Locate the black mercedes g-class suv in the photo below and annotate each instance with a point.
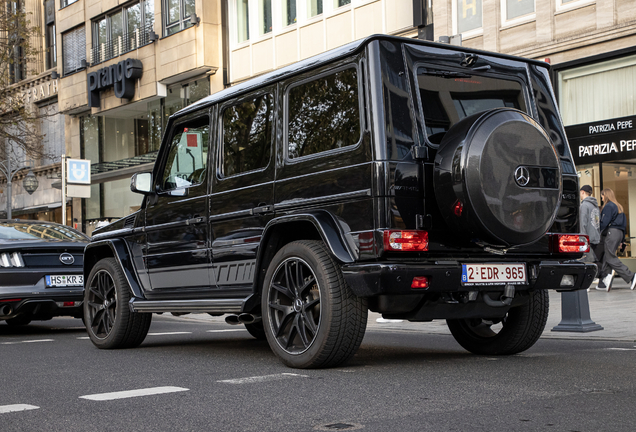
(418, 180)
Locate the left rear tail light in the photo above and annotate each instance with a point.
(568, 243)
(406, 241)
(11, 259)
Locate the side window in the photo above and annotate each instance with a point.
(247, 135)
(188, 155)
(323, 114)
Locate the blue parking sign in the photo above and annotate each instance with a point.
(78, 171)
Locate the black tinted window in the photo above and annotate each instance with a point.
(247, 135)
(323, 114)
(188, 155)
(447, 97)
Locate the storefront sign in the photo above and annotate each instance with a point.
(602, 141)
(37, 93)
(121, 76)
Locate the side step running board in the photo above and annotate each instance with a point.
(210, 305)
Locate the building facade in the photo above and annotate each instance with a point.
(33, 85)
(125, 67)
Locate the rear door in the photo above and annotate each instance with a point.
(241, 202)
(176, 217)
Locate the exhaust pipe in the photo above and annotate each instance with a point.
(232, 319)
(246, 318)
(6, 310)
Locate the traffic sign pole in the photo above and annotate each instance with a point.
(64, 189)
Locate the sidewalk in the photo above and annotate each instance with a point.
(615, 311)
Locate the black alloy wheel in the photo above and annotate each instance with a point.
(109, 321)
(294, 304)
(310, 316)
(517, 331)
(102, 302)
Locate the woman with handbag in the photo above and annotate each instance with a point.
(613, 226)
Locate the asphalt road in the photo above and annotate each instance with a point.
(193, 375)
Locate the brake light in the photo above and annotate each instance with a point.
(567, 243)
(420, 282)
(406, 241)
(10, 300)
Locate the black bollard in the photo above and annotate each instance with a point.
(575, 313)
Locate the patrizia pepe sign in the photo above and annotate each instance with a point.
(603, 141)
(121, 76)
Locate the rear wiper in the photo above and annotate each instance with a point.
(446, 74)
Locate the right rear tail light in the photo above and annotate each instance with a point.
(406, 241)
(11, 259)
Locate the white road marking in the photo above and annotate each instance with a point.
(227, 330)
(168, 333)
(263, 378)
(18, 407)
(83, 337)
(133, 393)
(27, 341)
(622, 349)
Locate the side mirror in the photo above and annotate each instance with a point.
(141, 183)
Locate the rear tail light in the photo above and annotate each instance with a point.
(406, 241)
(567, 243)
(11, 259)
(68, 303)
(420, 282)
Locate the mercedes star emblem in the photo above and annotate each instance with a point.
(522, 176)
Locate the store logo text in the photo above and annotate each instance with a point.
(121, 76)
(607, 148)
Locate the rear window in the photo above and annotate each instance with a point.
(27, 231)
(447, 97)
(323, 114)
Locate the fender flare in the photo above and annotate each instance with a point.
(120, 252)
(333, 232)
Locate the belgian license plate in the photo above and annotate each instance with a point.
(64, 280)
(493, 274)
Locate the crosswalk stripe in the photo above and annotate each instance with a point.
(18, 407)
(133, 393)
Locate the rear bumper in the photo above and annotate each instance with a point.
(367, 280)
(39, 300)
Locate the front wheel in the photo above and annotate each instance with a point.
(109, 321)
(311, 317)
(517, 331)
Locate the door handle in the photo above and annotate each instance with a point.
(262, 209)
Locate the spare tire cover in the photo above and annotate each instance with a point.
(504, 170)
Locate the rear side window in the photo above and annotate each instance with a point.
(447, 97)
(323, 114)
(188, 155)
(247, 135)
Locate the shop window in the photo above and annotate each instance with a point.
(598, 91)
(327, 103)
(124, 30)
(242, 21)
(468, 15)
(247, 135)
(177, 15)
(74, 50)
(17, 63)
(314, 8)
(187, 156)
(512, 10)
(265, 16)
(289, 12)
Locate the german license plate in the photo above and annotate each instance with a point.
(494, 274)
(64, 280)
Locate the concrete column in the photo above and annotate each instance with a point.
(545, 20)
(491, 17)
(605, 13)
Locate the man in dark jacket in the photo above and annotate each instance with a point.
(590, 218)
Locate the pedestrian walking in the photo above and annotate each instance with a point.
(613, 226)
(590, 219)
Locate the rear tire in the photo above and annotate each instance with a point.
(520, 328)
(109, 321)
(311, 317)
